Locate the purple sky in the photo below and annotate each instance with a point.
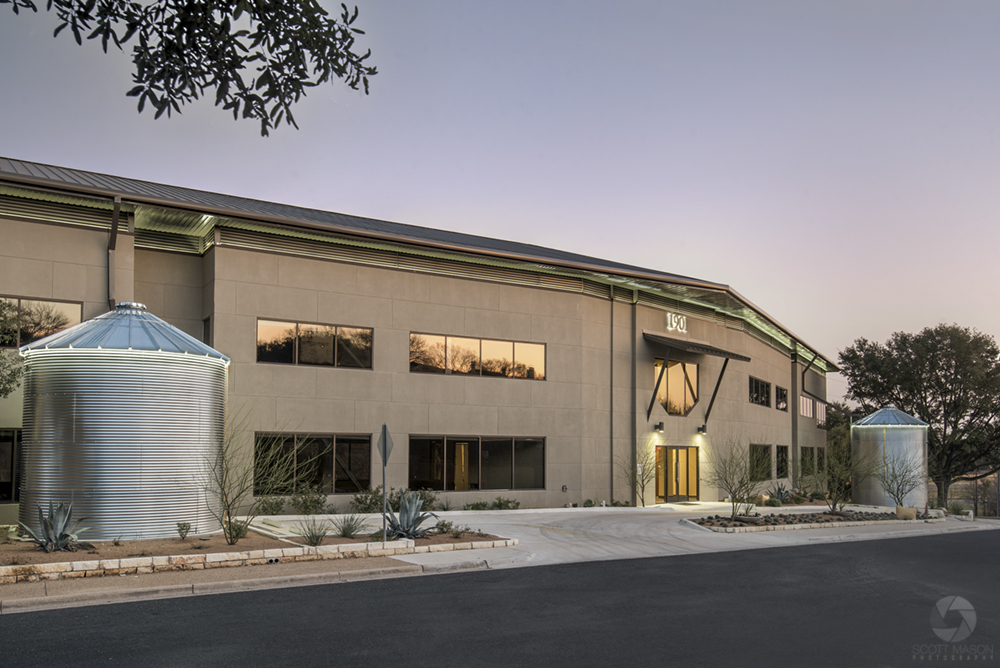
(837, 163)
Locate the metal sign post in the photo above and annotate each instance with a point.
(384, 449)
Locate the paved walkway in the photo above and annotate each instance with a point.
(548, 536)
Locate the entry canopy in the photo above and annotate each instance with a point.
(129, 327)
(890, 416)
(691, 346)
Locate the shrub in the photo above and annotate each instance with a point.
(56, 532)
(956, 507)
(458, 531)
(234, 530)
(796, 498)
(367, 501)
(589, 503)
(183, 528)
(313, 531)
(308, 500)
(444, 526)
(505, 504)
(270, 505)
(428, 496)
(817, 495)
(349, 526)
(779, 492)
(407, 524)
(477, 505)
(773, 502)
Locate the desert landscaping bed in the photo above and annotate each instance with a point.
(793, 521)
(23, 562)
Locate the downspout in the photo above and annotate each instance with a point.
(794, 410)
(635, 454)
(112, 244)
(611, 405)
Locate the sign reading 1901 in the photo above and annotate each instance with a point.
(677, 323)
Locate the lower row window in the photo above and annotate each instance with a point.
(286, 463)
(474, 463)
(10, 468)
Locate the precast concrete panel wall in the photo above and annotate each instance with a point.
(127, 437)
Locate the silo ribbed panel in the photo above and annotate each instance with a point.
(127, 436)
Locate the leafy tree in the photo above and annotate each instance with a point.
(259, 58)
(949, 377)
(11, 368)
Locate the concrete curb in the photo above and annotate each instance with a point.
(694, 525)
(192, 562)
(13, 606)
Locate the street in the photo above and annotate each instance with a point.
(841, 604)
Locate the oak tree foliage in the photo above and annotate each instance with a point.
(949, 377)
(260, 58)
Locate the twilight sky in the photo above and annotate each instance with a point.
(837, 163)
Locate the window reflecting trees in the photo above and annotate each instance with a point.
(311, 344)
(463, 356)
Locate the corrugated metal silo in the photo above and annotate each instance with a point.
(888, 433)
(123, 416)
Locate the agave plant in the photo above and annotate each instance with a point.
(780, 493)
(407, 525)
(57, 532)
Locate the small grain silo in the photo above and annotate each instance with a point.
(124, 416)
(890, 437)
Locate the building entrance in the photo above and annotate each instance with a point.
(676, 474)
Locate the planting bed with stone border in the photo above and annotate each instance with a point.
(141, 565)
(750, 528)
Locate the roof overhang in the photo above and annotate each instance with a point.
(691, 346)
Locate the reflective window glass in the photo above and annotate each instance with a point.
(462, 456)
(354, 347)
(352, 464)
(760, 461)
(808, 460)
(497, 456)
(312, 463)
(820, 460)
(8, 323)
(427, 353)
(8, 464)
(781, 461)
(463, 356)
(781, 398)
(529, 463)
(316, 343)
(275, 341)
(497, 358)
(427, 463)
(274, 464)
(529, 361)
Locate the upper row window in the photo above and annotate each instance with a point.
(476, 357)
(760, 392)
(677, 391)
(324, 345)
(23, 321)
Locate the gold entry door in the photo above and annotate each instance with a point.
(676, 474)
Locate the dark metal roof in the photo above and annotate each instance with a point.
(699, 347)
(890, 416)
(137, 195)
(136, 191)
(129, 327)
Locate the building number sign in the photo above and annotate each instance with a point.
(677, 323)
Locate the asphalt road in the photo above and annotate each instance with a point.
(849, 604)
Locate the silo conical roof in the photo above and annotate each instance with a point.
(890, 416)
(129, 327)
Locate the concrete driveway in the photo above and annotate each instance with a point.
(566, 535)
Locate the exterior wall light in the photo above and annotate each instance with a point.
(658, 427)
(703, 429)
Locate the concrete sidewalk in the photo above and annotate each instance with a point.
(546, 537)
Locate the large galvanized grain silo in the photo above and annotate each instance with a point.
(890, 436)
(124, 416)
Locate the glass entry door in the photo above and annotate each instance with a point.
(676, 474)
